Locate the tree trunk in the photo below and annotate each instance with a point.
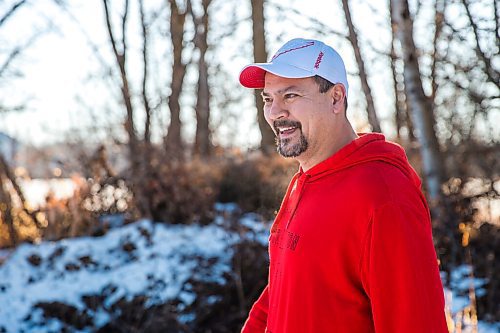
(138, 167)
(370, 106)
(421, 106)
(202, 144)
(267, 144)
(145, 99)
(173, 140)
(439, 8)
(398, 111)
(120, 57)
(401, 106)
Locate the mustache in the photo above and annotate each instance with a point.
(285, 123)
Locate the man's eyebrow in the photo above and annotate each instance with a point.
(284, 90)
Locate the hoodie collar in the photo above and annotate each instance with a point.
(366, 148)
(339, 157)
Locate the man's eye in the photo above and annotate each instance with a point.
(289, 96)
(267, 100)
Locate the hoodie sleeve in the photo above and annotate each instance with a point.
(257, 318)
(400, 272)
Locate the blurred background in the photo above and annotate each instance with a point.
(138, 179)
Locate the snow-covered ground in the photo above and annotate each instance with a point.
(132, 259)
(141, 258)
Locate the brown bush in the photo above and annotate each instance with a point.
(185, 192)
(179, 192)
(256, 183)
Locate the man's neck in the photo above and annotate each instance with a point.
(337, 142)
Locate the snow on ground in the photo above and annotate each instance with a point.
(144, 258)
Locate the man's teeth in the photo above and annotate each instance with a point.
(286, 129)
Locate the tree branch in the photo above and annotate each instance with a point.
(11, 11)
(145, 100)
(110, 30)
(491, 73)
(124, 28)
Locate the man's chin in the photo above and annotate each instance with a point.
(290, 152)
(292, 148)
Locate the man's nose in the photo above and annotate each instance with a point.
(277, 110)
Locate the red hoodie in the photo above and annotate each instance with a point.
(351, 249)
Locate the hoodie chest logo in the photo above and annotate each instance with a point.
(285, 239)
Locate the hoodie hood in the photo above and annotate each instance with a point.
(367, 147)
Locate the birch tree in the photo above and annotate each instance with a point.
(421, 105)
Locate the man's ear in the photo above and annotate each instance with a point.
(337, 94)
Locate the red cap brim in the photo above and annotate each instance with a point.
(252, 77)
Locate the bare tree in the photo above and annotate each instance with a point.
(492, 75)
(145, 76)
(401, 107)
(13, 52)
(465, 84)
(138, 157)
(121, 59)
(173, 140)
(202, 144)
(353, 38)
(439, 7)
(421, 106)
(260, 55)
(11, 11)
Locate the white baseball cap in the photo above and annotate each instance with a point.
(298, 58)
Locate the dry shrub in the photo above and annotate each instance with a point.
(18, 221)
(25, 228)
(79, 215)
(186, 191)
(170, 191)
(256, 183)
(180, 192)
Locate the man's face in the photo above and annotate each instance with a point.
(298, 114)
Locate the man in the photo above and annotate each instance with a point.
(351, 247)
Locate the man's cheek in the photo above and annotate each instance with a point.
(270, 123)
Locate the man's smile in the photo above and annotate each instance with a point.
(284, 129)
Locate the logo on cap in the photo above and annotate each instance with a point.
(292, 49)
(318, 61)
